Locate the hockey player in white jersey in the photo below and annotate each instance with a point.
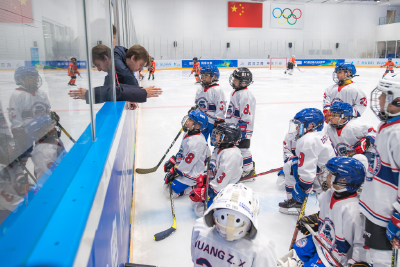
(225, 166)
(210, 98)
(242, 111)
(289, 153)
(379, 200)
(348, 136)
(344, 90)
(338, 224)
(228, 233)
(6, 140)
(313, 150)
(184, 168)
(26, 103)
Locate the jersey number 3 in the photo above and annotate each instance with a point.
(203, 262)
(219, 179)
(189, 158)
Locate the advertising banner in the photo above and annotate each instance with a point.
(6, 64)
(54, 64)
(318, 62)
(168, 64)
(377, 62)
(253, 62)
(220, 63)
(287, 16)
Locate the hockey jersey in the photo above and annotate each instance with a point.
(380, 190)
(289, 148)
(73, 69)
(4, 129)
(349, 93)
(9, 197)
(196, 68)
(225, 168)
(211, 101)
(389, 65)
(242, 106)
(344, 139)
(209, 248)
(47, 156)
(340, 228)
(314, 149)
(24, 106)
(152, 67)
(191, 158)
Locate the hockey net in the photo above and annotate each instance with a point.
(277, 62)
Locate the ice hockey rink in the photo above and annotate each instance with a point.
(279, 97)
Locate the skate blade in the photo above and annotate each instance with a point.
(286, 211)
(248, 180)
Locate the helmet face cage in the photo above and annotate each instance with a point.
(214, 134)
(31, 86)
(375, 105)
(242, 75)
(341, 116)
(184, 120)
(206, 75)
(346, 68)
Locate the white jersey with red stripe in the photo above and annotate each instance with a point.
(344, 139)
(349, 93)
(340, 228)
(4, 129)
(191, 158)
(47, 156)
(209, 248)
(289, 148)
(9, 197)
(212, 102)
(24, 106)
(314, 149)
(381, 187)
(225, 167)
(242, 106)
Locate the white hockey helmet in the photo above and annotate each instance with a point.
(293, 56)
(234, 212)
(390, 85)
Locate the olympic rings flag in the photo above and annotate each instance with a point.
(287, 16)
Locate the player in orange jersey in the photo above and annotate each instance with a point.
(196, 69)
(291, 63)
(389, 66)
(152, 68)
(72, 71)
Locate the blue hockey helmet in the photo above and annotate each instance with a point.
(349, 173)
(230, 134)
(211, 71)
(346, 67)
(39, 127)
(345, 111)
(28, 77)
(299, 126)
(389, 58)
(198, 118)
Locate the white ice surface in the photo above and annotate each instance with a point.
(279, 98)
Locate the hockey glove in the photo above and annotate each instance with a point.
(393, 228)
(201, 180)
(197, 195)
(171, 175)
(360, 264)
(169, 164)
(311, 220)
(243, 127)
(362, 145)
(298, 193)
(218, 121)
(327, 114)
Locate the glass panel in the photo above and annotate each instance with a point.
(398, 50)
(391, 49)
(380, 49)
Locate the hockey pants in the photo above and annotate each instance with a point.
(307, 252)
(72, 80)
(178, 188)
(197, 76)
(247, 159)
(379, 246)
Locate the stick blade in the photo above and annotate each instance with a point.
(164, 234)
(146, 171)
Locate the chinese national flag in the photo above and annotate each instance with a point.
(16, 11)
(243, 14)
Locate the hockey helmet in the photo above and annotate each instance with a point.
(230, 134)
(344, 110)
(390, 86)
(346, 67)
(195, 58)
(28, 77)
(71, 58)
(293, 56)
(197, 117)
(210, 70)
(242, 75)
(234, 212)
(389, 58)
(349, 173)
(303, 119)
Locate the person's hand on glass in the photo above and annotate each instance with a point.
(78, 94)
(152, 91)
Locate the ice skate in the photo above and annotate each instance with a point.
(290, 207)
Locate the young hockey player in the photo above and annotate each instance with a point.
(348, 136)
(228, 234)
(290, 65)
(183, 169)
(26, 103)
(338, 224)
(196, 70)
(225, 166)
(379, 200)
(210, 98)
(242, 111)
(389, 66)
(152, 68)
(72, 71)
(289, 153)
(313, 150)
(344, 90)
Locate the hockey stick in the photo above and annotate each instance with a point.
(300, 69)
(66, 133)
(337, 262)
(263, 173)
(395, 250)
(146, 171)
(27, 171)
(296, 230)
(207, 181)
(164, 234)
